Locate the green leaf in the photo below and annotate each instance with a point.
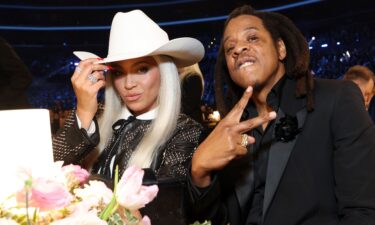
(113, 205)
(132, 220)
(115, 219)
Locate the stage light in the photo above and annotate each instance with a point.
(311, 40)
(310, 47)
(338, 43)
(324, 45)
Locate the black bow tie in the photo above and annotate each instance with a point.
(120, 124)
(103, 164)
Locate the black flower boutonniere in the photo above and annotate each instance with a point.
(286, 128)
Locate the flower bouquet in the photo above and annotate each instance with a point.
(63, 195)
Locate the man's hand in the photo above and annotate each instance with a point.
(224, 142)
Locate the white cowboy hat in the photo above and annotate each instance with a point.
(134, 34)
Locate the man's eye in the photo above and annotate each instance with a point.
(229, 49)
(252, 38)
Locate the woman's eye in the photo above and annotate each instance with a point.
(116, 73)
(143, 70)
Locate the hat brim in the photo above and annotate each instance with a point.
(184, 51)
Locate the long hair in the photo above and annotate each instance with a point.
(161, 127)
(296, 61)
(193, 69)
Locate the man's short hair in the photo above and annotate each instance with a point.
(359, 72)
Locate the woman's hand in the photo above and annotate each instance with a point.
(225, 142)
(86, 89)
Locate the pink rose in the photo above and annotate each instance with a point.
(145, 221)
(7, 222)
(46, 194)
(75, 174)
(86, 219)
(130, 193)
(93, 193)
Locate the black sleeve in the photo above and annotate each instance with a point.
(354, 158)
(14, 73)
(179, 150)
(205, 203)
(72, 144)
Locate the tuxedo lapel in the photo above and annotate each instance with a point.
(278, 157)
(244, 187)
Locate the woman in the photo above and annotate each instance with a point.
(192, 86)
(140, 124)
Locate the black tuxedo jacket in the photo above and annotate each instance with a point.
(323, 177)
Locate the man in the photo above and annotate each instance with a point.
(309, 165)
(15, 79)
(364, 78)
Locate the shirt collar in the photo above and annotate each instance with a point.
(150, 115)
(273, 99)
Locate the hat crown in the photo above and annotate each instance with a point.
(134, 34)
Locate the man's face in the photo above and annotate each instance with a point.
(252, 57)
(366, 89)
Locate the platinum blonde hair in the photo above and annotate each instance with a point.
(190, 69)
(193, 69)
(162, 126)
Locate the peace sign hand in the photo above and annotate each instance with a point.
(225, 142)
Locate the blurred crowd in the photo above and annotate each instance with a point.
(332, 53)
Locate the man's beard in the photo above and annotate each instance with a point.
(257, 87)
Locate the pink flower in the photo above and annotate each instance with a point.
(46, 194)
(145, 221)
(75, 174)
(7, 222)
(82, 208)
(130, 193)
(94, 193)
(86, 219)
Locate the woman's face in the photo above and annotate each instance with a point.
(137, 81)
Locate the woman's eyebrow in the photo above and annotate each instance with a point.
(141, 62)
(115, 66)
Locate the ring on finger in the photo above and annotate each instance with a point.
(244, 140)
(92, 78)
